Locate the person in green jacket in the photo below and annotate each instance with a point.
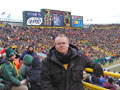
(10, 72)
(27, 60)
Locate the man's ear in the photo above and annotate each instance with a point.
(68, 41)
(54, 44)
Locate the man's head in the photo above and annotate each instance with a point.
(30, 49)
(10, 53)
(110, 80)
(27, 59)
(62, 43)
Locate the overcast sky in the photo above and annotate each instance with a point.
(100, 11)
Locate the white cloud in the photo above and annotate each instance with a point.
(101, 11)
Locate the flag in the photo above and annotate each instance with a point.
(3, 13)
(9, 15)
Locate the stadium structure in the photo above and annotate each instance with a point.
(47, 18)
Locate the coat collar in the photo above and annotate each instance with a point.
(53, 57)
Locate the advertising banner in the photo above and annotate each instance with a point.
(77, 21)
(32, 18)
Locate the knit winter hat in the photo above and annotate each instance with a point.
(27, 59)
(10, 52)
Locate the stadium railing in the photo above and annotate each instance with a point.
(89, 86)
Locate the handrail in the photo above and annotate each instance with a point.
(93, 87)
(105, 73)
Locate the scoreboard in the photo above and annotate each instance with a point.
(58, 17)
(49, 17)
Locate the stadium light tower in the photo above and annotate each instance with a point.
(89, 21)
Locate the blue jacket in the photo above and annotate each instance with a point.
(24, 53)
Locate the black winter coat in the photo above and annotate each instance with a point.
(33, 74)
(55, 77)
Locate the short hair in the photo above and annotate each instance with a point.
(110, 80)
(62, 35)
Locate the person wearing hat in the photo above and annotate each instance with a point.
(27, 60)
(110, 84)
(30, 51)
(4, 85)
(33, 75)
(10, 72)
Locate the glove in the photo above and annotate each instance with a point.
(97, 70)
(22, 82)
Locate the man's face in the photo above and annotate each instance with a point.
(13, 57)
(62, 44)
(31, 49)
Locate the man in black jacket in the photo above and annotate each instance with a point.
(64, 65)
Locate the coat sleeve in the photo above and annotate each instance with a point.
(86, 62)
(45, 78)
(23, 54)
(22, 71)
(97, 69)
(7, 75)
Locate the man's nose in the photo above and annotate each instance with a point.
(61, 44)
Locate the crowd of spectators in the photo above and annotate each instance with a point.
(107, 82)
(105, 37)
